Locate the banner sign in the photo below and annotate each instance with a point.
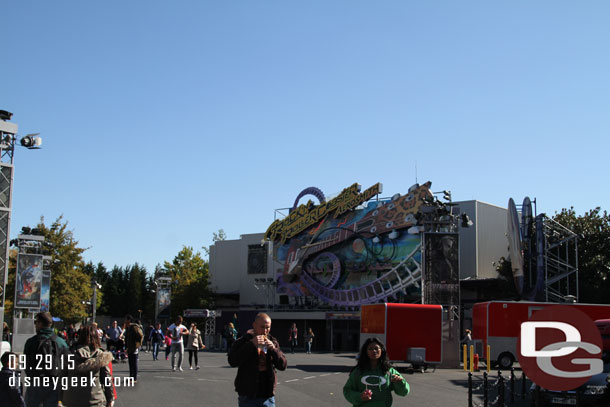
(28, 284)
(45, 293)
(441, 279)
(164, 303)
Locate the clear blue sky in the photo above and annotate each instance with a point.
(165, 121)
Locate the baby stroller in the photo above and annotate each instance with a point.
(119, 353)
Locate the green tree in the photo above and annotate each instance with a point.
(216, 237)
(70, 284)
(190, 274)
(593, 230)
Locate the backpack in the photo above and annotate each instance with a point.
(48, 350)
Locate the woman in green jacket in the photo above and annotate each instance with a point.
(373, 379)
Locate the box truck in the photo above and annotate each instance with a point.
(498, 324)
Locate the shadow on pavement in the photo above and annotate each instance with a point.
(321, 368)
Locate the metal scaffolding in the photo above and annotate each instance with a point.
(560, 261)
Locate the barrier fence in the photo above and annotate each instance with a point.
(504, 389)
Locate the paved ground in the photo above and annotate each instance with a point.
(309, 380)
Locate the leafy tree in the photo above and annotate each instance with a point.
(593, 230)
(10, 286)
(70, 284)
(506, 286)
(190, 274)
(216, 237)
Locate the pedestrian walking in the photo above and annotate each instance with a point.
(257, 355)
(6, 332)
(309, 340)
(92, 362)
(156, 339)
(373, 379)
(292, 336)
(147, 337)
(10, 391)
(231, 335)
(45, 345)
(133, 341)
(176, 331)
(194, 343)
(113, 336)
(168, 346)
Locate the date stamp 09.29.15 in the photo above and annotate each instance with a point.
(65, 363)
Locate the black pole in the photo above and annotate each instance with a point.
(469, 389)
(500, 389)
(485, 390)
(512, 386)
(523, 385)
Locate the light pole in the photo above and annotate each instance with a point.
(95, 285)
(8, 137)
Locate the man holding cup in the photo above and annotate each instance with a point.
(257, 355)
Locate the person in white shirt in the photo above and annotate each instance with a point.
(175, 331)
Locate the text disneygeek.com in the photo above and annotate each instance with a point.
(67, 382)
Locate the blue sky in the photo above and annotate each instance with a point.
(163, 122)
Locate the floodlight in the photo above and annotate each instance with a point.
(4, 115)
(31, 141)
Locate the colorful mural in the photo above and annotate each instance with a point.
(352, 249)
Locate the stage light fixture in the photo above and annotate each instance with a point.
(4, 115)
(31, 141)
(466, 222)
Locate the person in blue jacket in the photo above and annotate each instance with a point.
(373, 379)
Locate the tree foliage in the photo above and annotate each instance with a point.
(127, 290)
(70, 284)
(593, 230)
(190, 276)
(216, 237)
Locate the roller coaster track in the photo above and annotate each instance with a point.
(401, 276)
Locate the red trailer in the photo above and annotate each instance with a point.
(412, 333)
(498, 324)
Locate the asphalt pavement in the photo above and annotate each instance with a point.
(309, 380)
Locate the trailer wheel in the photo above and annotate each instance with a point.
(506, 360)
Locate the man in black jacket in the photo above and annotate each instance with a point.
(40, 349)
(256, 355)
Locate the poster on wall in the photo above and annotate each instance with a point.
(28, 284)
(441, 277)
(164, 303)
(45, 292)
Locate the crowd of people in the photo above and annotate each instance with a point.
(256, 354)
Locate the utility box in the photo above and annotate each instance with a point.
(416, 355)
